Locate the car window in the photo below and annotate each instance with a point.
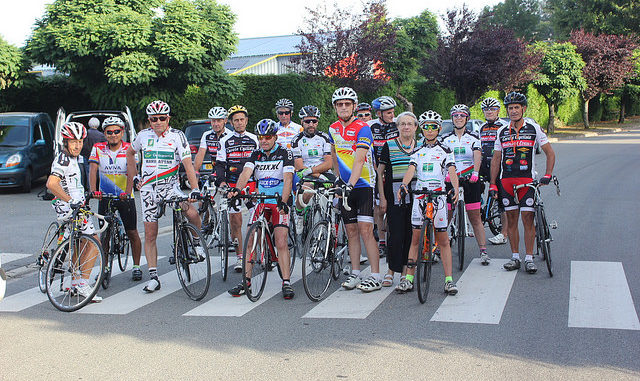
(37, 132)
(14, 136)
(195, 131)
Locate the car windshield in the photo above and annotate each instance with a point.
(447, 126)
(14, 136)
(195, 131)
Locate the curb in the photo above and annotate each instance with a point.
(587, 134)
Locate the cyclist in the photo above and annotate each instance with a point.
(162, 150)
(110, 158)
(383, 129)
(488, 132)
(65, 183)
(353, 161)
(430, 165)
(286, 128)
(235, 149)
(363, 112)
(272, 167)
(210, 141)
(466, 148)
(514, 154)
(393, 164)
(311, 152)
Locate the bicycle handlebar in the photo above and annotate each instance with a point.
(427, 192)
(338, 191)
(536, 184)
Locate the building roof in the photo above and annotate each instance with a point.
(267, 46)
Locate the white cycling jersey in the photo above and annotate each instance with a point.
(462, 149)
(432, 163)
(67, 169)
(311, 149)
(286, 134)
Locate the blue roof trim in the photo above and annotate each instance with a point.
(262, 46)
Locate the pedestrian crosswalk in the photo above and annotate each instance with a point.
(599, 297)
(10, 257)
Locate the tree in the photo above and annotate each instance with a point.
(596, 16)
(525, 17)
(470, 60)
(608, 62)
(631, 88)
(10, 64)
(131, 51)
(560, 75)
(351, 48)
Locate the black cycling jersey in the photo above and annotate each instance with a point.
(382, 132)
(518, 149)
(269, 168)
(488, 135)
(211, 142)
(235, 150)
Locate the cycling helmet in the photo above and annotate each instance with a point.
(429, 116)
(363, 106)
(158, 108)
(384, 103)
(284, 103)
(217, 113)
(73, 130)
(266, 127)
(307, 111)
(344, 93)
(238, 108)
(490, 102)
(515, 97)
(113, 121)
(460, 108)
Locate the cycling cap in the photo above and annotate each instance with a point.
(490, 102)
(515, 97)
(266, 127)
(158, 108)
(217, 113)
(429, 116)
(237, 108)
(384, 103)
(460, 108)
(73, 130)
(344, 93)
(363, 106)
(284, 103)
(113, 121)
(309, 111)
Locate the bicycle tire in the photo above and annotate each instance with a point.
(109, 240)
(257, 260)
(493, 217)
(223, 243)
(209, 220)
(338, 254)
(294, 251)
(425, 260)
(49, 243)
(544, 241)
(461, 224)
(194, 273)
(317, 261)
(61, 265)
(123, 253)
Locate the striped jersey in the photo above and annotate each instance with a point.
(112, 165)
(395, 159)
(346, 140)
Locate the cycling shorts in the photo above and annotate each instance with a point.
(439, 217)
(126, 209)
(235, 208)
(361, 203)
(62, 209)
(150, 198)
(472, 194)
(271, 213)
(525, 195)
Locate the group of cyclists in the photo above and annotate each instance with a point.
(377, 161)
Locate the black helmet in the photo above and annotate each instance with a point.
(515, 97)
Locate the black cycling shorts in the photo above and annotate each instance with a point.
(127, 210)
(361, 203)
(472, 193)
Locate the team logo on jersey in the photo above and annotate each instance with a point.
(427, 167)
(269, 182)
(150, 142)
(350, 133)
(505, 202)
(523, 162)
(508, 162)
(459, 151)
(529, 202)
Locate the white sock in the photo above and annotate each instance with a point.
(528, 257)
(376, 276)
(515, 256)
(355, 272)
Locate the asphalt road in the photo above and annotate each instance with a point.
(527, 327)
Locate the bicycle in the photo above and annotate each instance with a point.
(194, 270)
(115, 241)
(323, 252)
(260, 250)
(458, 227)
(215, 223)
(543, 232)
(53, 237)
(312, 209)
(490, 213)
(86, 259)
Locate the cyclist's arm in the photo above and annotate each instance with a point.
(411, 171)
(453, 177)
(53, 184)
(298, 163)
(495, 165)
(199, 159)
(358, 163)
(132, 171)
(477, 160)
(191, 173)
(93, 175)
(551, 157)
(244, 178)
(286, 187)
(334, 157)
(379, 182)
(324, 166)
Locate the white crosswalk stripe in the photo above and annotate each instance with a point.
(10, 257)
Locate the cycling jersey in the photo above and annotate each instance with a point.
(235, 149)
(462, 149)
(346, 140)
(432, 162)
(161, 155)
(518, 149)
(382, 132)
(67, 169)
(488, 134)
(211, 142)
(112, 167)
(286, 134)
(311, 149)
(269, 168)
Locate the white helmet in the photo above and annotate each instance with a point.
(217, 113)
(384, 103)
(284, 103)
(344, 93)
(308, 111)
(158, 108)
(460, 108)
(429, 116)
(73, 130)
(490, 102)
(112, 121)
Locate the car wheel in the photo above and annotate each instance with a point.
(26, 186)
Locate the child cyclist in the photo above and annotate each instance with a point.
(430, 164)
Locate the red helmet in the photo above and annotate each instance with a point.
(73, 130)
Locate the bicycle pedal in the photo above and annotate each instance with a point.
(553, 224)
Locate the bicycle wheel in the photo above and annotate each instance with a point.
(294, 250)
(255, 262)
(123, 252)
(493, 217)
(49, 244)
(461, 232)
(425, 260)
(194, 270)
(110, 244)
(223, 244)
(209, 224)
(76, 265)
(341, 248)
(317, 262)
(543, 237)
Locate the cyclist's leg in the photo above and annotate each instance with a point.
(191, 212)
(235, 224)
(350, 219)
(150, 198)
(442, 238)
(281, 235)
(472, 195)
(364, 202)
(529, 231)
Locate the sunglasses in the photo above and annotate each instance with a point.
(364, 115)
(491, 109)
(113, 132)
(430, 126)
(458, 115)
(284, 112)
(265, 137)
(310, 121)
(154, 119)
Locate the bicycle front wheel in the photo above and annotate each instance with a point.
(294, 250)
(423, 275)
(209, 223)
(543, 237)
(255, 263)
(317, 261)
(493, 217)
(194, 268)
(74, 273)
(49, 244)
(223, 244)
(337, 265)
(123, 253)
(110, 247)
(462, 232)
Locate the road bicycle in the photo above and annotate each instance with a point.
(312, 209)
(115, 241)
(325, 246)
(215, 223)
(194, 270)
(490, 212)
(457, 228)
(53, 237)
(543, 229)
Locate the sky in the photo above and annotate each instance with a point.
(256, 18)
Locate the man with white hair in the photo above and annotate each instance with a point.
(93, 136)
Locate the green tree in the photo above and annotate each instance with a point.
(526, 18)
(132, 51)
(596, 16)
(560, 75)
(10, 64)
